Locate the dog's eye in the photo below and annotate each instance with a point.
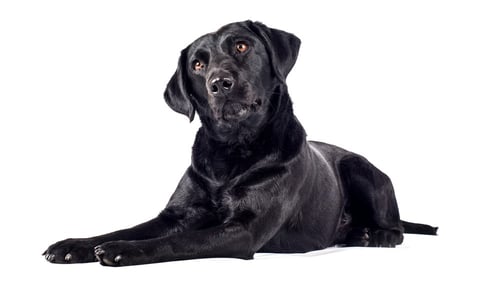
(241, 47)
(198, 65)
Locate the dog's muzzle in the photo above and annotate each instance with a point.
(237, 111)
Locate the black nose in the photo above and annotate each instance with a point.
(221, 85)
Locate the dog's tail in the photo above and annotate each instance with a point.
(418, 228)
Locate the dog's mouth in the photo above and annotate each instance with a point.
(236, 111)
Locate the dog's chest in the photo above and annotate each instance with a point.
(229, 200)
(221, 202)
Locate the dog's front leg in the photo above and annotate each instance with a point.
(179, 215)
(254, 220)
(80, 250)
(223, 241)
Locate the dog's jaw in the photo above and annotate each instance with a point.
(238, 111)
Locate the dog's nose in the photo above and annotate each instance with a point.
(221, 85)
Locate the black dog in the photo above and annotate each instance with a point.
(255, 183)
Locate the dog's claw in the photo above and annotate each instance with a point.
(98, 251)
(67, 257)
(118, 258)
(50, 257)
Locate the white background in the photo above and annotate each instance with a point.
(88, 145)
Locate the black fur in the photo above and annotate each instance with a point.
(255, 183)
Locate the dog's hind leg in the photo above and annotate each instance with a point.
(371, 205)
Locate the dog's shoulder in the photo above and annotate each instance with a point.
(332, 153)
(329, 149)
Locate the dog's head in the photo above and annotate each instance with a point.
(228, 77)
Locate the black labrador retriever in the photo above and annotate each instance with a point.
(255, 183)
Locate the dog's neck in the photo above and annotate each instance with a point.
(280, 137)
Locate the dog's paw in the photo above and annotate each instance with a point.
(358, 237)
(367, 237)
(119, 253)
(385, 238)
(71, 251)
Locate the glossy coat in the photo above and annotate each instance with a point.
(255, 182)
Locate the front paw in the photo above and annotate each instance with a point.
(120, 253)
(71, 251)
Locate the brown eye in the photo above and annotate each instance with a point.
(198, 65)
(241, 47)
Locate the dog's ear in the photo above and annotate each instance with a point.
(282, 47)
(176, 94)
